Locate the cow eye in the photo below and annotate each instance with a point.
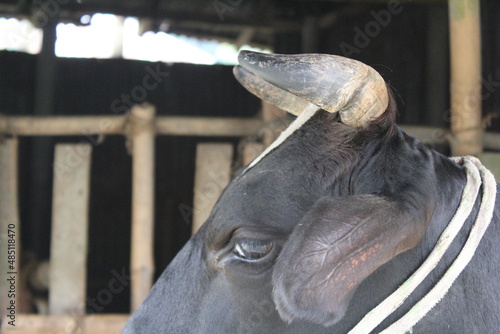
(252, 249)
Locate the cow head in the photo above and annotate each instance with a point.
(293, 236)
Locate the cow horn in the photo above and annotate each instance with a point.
(334, 83)
(270, 93)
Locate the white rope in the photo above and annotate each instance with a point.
(469, 194)
(483, 219)
(304, 116)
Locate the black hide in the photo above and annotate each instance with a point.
(337, 205)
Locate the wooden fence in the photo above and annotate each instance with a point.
(68, 260)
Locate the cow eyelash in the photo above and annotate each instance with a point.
(252, 249)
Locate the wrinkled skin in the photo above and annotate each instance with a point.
(350, 214)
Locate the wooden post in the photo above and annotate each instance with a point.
(213, 172)
(68, 247)
(10, 256)
(465, 49)
(142, 136)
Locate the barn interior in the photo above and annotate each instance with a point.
(407, 41)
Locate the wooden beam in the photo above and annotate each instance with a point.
(90, 324)
(9, 233)
(207, 126)
(213, 172)
(165, 125)
(68, 247)
(465, 51)
(116, 125)
(142, 136)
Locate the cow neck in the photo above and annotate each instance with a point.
(476, 174)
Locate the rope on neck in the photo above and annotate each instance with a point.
(475, 172)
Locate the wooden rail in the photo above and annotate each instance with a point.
(118, 125)
(63, 324)
(183, 126)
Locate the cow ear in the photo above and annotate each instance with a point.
(336, 245)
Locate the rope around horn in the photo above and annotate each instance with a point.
(475, 172)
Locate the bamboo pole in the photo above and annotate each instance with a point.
(90, 324)
(68, 246)
(142, 135)
(9, 234)
(116, 125)
(465, 49)
(208, 126)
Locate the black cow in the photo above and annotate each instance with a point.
(328, 222)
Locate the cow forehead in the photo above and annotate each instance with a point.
(287, 181)
(262, 199)
(264, 196)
